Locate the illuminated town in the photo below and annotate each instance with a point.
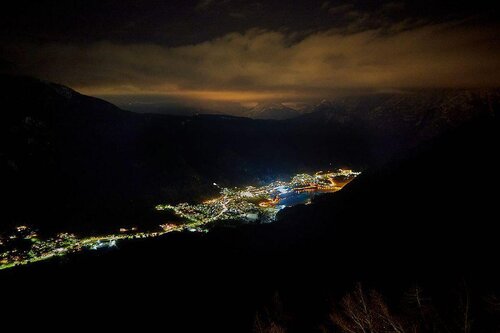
(261, 203)
(250, 204)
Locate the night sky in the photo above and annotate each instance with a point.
(217, 52)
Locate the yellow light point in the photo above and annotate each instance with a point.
(331, 181)
(209, 201)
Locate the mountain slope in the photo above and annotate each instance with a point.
(399, 121)
(430, 203)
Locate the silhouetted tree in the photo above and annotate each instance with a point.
(272, 319)
(418, 306)
(361, 312)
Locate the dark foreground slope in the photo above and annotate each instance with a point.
(427, 217)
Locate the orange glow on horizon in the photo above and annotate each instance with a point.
(208, 95)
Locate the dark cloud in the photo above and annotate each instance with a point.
(174, 23)
(338, 9)
(260, 64)
(240, 51)
(204, 4)
(237, 15)
(395, 6)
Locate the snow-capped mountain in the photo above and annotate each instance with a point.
(271, 111)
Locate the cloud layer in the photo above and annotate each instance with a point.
(274, 65)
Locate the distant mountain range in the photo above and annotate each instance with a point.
(441, 106)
